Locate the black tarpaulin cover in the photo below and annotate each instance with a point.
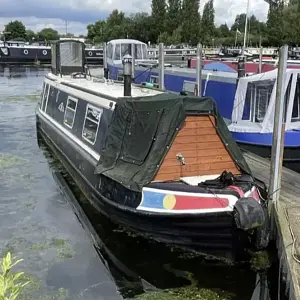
(142, 130)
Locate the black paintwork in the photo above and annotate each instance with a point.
(17, 55)
(213, 233)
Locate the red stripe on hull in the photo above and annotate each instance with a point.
(190, 202)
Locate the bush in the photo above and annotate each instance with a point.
(11, 284)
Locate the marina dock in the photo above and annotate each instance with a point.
(287, 222)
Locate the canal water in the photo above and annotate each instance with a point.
(38, 225)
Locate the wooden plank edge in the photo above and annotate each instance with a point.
(287, 264)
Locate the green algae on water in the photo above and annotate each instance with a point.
(185, 293)
(260, 261)
(64, 250)
(8, 160)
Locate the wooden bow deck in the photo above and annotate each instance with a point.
(287, 216)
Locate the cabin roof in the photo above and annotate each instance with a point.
(125, 41)
(111, 90)
(267, 75)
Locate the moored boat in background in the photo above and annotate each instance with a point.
(253, 115)
(18, 52)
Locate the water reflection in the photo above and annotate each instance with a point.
(138, 264)
(38, 224)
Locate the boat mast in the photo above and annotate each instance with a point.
(246, 27)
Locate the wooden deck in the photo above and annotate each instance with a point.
(287, 217)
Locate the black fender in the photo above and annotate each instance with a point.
(248, 214)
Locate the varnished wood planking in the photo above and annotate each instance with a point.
(202, 149)
(196, 131)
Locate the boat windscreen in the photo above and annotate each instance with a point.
(140, 50)
(257, 100)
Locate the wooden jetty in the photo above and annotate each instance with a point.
(287, 217)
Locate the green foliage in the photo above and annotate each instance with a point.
(179, 21)
(11, 284)
(30, 35)
(173, 16)
(48, 34)
(191, 21)
(15, 30)
(275, 23)
(208, 22)
(159, 13)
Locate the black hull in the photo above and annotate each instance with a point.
(22, 60)
(25, 60)
(23, 55)
(213, 234)
(291, 155)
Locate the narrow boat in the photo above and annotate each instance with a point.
(252, 118)
(160, 164)
(17, 52)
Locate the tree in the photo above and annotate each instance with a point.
(117, 26)
(48, 34)
(159, 15)
(291, 24)
(173, 17)
(142, 28)
(275, 32)
(190, 21)
(30, 35)
(208, 22)
(223, 30)
(97, 32)
(15, 30)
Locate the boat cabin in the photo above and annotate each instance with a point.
(254, 103)
(117, 49)
(68, 57)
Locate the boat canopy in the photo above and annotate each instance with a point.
(142, 130)
(117, 49)
(254, 103)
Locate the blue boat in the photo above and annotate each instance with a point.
(247, 106)
(216, 83)
(252, 118)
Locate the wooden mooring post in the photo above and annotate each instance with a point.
(278, 136)
(161, 62)
(198, 86)
(284, 193)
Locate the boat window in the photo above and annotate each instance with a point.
(139, 53)
(42, 95)
(144, 52)
(70, 112)
(117, 52)
(91, 123)
(45, 97)
(287, 97)
(296, 105)
(109, 51)
(125, 49)
(257, 100)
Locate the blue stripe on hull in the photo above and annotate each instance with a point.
(292, 138)
(222, 92)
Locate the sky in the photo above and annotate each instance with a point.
(38, 14)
